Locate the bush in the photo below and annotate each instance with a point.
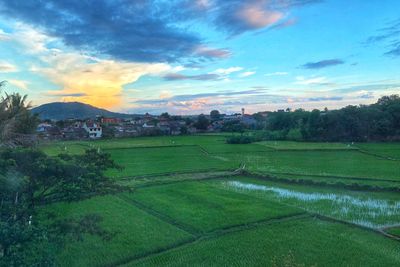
(239, 140)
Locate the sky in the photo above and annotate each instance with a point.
(193, 56)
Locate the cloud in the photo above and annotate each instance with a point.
(80, 77)
(395, 50)
(200, 77)
(322, 64)
(311, 81)
(6, 67)
(19, 83)
(66, 95)
(207, 52)
(237, 16)
(391, 34)
(228, 71)
(190, 97)
(284, 24)
(278, 73)
(247, 74)
(4, 36)
(140, 31)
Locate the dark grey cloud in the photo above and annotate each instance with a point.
(389, 34)
(200, 77)
(138, 30)
(69, 95)
(323, 64)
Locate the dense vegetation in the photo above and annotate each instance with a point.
(376, 122)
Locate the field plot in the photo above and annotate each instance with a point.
(390, 150)
(135, 232)
(204, 208)
(292, 145)
(394, 231)
(373, 210)
(65, 147)
(142, 161)
(354, 183)
(311, 242)
(334, 163)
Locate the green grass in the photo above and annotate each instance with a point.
(339, 182)
(374, 209)
(143, 161)
(394, 231)
(310, 241)
(391, 150)
(327, 163)
(205, 208)
(136, 232)
(292, 145)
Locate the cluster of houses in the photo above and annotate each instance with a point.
(146, 125)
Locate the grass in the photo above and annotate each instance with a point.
(310, 241)
(390, 150)
(374, 184)
(144, 161)
(373, 210)
(204, 208)
(136, 232)
(292, 145)
(394, 231)
(180, 214)
(326, 163)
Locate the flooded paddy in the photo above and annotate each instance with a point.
(366, 211)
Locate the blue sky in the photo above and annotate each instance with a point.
(189, 57)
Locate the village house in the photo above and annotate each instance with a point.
(93, 129)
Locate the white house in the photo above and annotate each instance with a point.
(93, 129)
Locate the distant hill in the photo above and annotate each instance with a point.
(76, 110)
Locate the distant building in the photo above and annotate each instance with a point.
(93, 129)
(74, 133)
(110, 120)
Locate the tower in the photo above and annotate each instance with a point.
(242, 111)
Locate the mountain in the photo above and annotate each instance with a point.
(76, 110)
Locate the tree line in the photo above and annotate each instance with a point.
(376, 122)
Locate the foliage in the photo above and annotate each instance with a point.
(215, 115)
(379, 121)
(202, 122)
(239, 139)
(15, 117)
(29, 178)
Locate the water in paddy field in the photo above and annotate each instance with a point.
(369, 212)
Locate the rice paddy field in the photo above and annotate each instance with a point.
(197, 201)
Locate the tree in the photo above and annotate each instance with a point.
(28, 178)
(165, 115)
(15, 116)
(202, 122)
(215, 115)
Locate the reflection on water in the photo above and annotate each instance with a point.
(369, 212)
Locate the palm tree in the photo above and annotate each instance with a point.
(15, 116)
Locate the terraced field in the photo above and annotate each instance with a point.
(197, 201)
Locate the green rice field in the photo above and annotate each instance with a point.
(197, 201)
